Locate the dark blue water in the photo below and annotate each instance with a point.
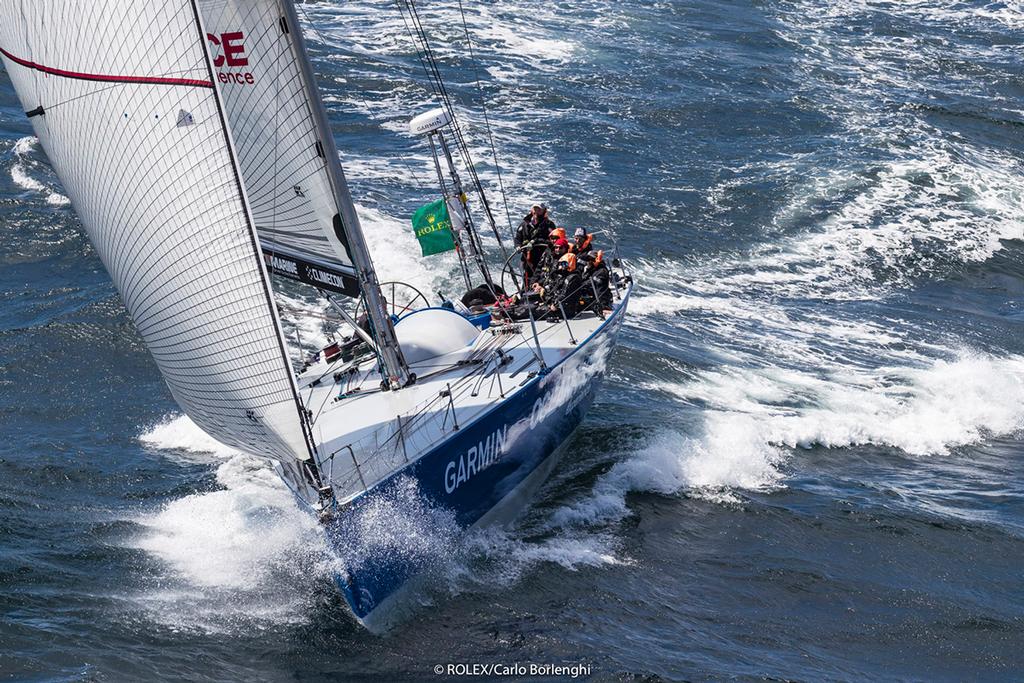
(807, 462)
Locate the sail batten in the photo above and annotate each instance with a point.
(134, 129)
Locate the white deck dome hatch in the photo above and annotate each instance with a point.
(432, 332)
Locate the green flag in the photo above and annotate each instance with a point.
(433, 228)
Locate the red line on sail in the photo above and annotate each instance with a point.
(107, 78)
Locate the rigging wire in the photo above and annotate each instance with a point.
(487, 122)
(419, 37)
(366, 105)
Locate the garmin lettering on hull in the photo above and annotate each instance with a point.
(475, 460)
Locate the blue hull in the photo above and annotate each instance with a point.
(482, 468)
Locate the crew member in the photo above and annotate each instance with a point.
(582, 242)
(597, 290)
(545, 269)
(564, 294)
(532, 236)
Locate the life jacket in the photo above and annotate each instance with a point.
(570, 259)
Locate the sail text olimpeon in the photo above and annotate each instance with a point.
(122, 98)
(281, 154)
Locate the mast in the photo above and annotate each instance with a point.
(396, 370)
(430, 125)
(456, 229)
(476, 247)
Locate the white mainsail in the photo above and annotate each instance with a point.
(121, 97)
(283, 160)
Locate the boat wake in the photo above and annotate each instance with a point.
(753, 421)
(231, 558)
(245, 555)
(777, 373)
(787, 375)
(793, 342)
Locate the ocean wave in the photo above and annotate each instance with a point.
(227, 560)
(178, 434)
(24, 165)
(753, 419)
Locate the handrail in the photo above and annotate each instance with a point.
(355, 463)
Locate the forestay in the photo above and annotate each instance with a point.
(120, 94)
(282, 157)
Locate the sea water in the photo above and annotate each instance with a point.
(806, 462)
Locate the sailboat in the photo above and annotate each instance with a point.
(192, 140)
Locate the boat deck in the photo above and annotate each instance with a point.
(366, 434)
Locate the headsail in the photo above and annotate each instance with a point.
(282, 157)
(121, 96)
(286, 146)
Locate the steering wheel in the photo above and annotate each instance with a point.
(517, 275)
(401, 298)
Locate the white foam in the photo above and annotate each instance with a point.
(20, 172)
(497, 557)
(238, 556)
(23, 180)
(755, 417)
(728, 456)
(654, 304)
(178, 435)
(921, 411)
(398, 525)
(525, 43)
(982, 15)
(25, 145)
(225, 538)
(232, 558)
